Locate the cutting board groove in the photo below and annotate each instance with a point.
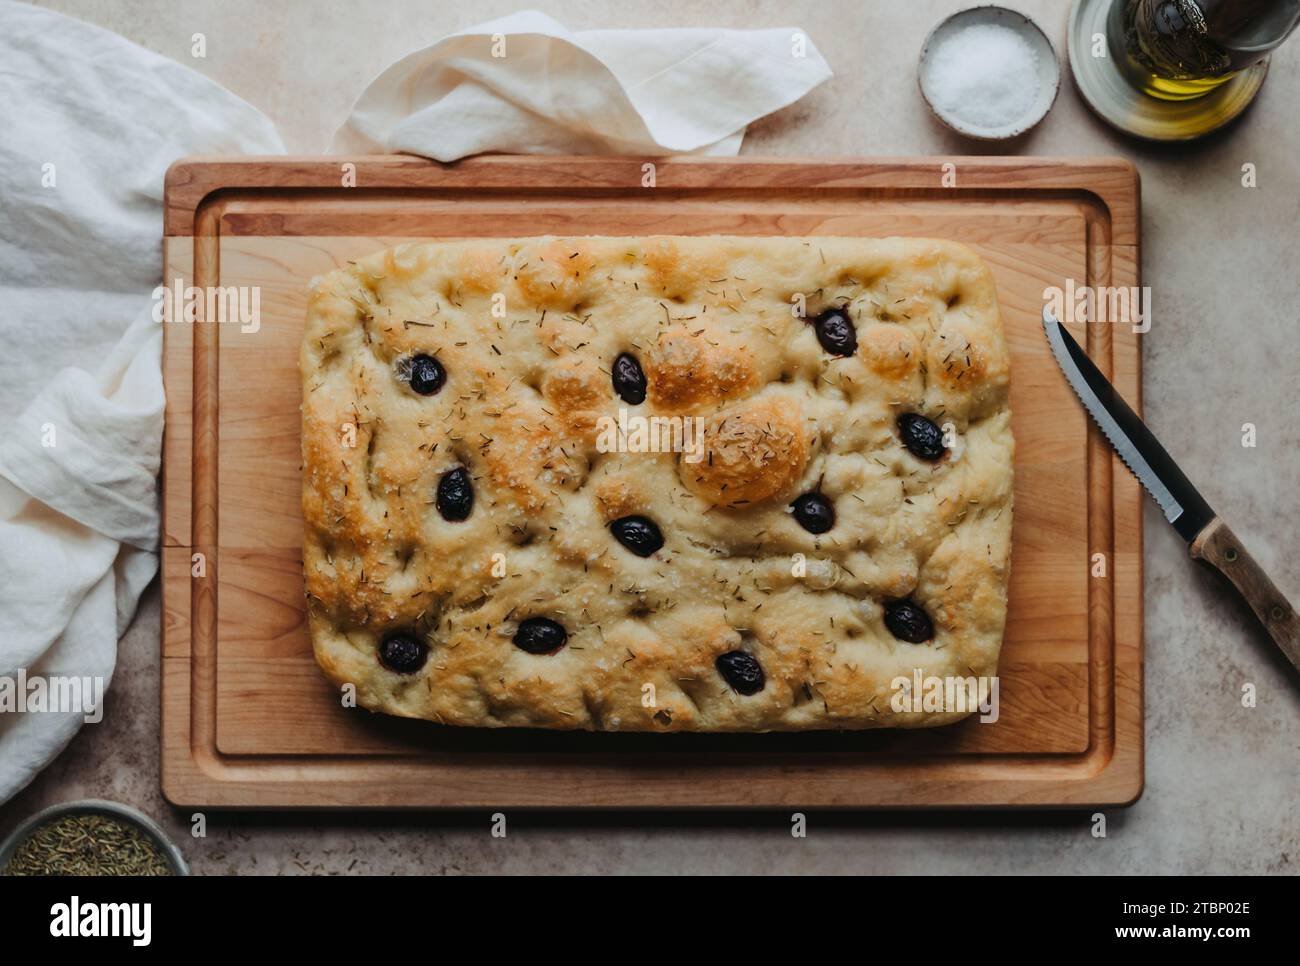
(249, 722)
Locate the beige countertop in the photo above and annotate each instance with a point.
(1221, 260)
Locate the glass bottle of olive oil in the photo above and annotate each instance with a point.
(1178, 50)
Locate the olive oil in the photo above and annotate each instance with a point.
(1179, 50)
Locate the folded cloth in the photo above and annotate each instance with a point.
(525, 84)
(90, 124)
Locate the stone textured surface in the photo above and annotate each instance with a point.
(1222, 780)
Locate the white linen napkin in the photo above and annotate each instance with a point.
(90, 123)
(525, 84)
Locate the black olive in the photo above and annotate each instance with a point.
(455, 497)
(629, 379)
(540, 635)
(427, 375)
(742, 671)
(814, 512)
(639, 534)
(921, 436)
(403, 653)
(836, 333)
(908, 622)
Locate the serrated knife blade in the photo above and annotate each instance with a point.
(1136, 445)
(1208, 537)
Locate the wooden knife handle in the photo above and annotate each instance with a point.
(1219, 547)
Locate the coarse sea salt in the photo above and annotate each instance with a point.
(985, 75)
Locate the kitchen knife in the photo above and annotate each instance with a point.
(1208, 537)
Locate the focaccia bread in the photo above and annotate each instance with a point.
(656, 484)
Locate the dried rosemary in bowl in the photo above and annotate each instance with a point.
(87, 844)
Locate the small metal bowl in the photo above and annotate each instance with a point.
(1049, 69)
(96, 806)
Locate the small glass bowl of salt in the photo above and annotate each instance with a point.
(989, 73)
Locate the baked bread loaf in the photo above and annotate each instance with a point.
(656, 484)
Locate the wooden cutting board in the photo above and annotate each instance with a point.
(248, 721)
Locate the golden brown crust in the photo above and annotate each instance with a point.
(528, 331)
(690, 369)
(753, 452)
